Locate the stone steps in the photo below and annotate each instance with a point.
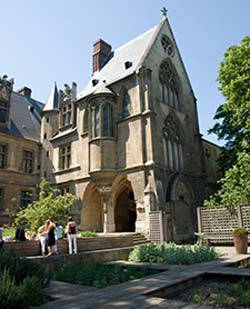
(139, 239)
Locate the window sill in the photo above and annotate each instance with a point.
(67, 170)
(102, 138)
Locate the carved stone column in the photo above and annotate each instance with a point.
(108, 212)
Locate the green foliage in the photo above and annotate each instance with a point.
(235, 185)
(50, 205)
(20, 268)
(224, 300)
(99, 275)
(197, 299)
(88, 234)
(240, 231)
(23, 295)
(170, 253)
(242, 291)
(21, 281)
(233, 117)
(9, 231)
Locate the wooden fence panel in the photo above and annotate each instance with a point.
(155, 226)
(217, 223)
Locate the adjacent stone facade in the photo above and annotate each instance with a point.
(19, 148)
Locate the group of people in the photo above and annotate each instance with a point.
(50, 232)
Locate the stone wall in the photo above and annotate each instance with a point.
(32, 247)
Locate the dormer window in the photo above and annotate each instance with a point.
(5, 94)
(3, 112)
(94, 82)
(67, 110)
(66, 114)
(128, 64)
(126, 105)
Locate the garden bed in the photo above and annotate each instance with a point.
(224, 291)
(100, 275)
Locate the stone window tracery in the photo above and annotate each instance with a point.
(102, 120)
(167, 45)
(169, 85)
(173, 152)
(86, 121)
(107, 123)
(126, 105)
(65, 156)
(28, 161)
(67, 111)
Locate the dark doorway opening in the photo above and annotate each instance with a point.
(125, 212)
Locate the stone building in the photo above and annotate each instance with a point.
(19, 147)
(129, 144)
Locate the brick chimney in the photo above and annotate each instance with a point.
(25, 91)
(101, 51)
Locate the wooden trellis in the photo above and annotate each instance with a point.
(217, 223)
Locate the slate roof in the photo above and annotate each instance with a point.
(114, 70)
(53, 99)
(25, 117)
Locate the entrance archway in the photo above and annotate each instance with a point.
(92, 214)
(180, 197)
(125, 211)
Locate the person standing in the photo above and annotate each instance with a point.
(43, 237)
(71, 231)
(51, 237)
(20, 233)
(58, 235)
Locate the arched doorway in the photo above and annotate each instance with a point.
(180, 198)
(125, 211)
(92, 214)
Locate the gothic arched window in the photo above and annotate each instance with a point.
(169, 85)
(95, 121)
(107, 123)
(86, 120)
(126, 105)
(102, 120)
(173, 152)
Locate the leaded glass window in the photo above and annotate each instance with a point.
(65, 156)
(169, 85)
(126, 105)
(2, 156)
(107, 121)
(173, 152)
(28, 161)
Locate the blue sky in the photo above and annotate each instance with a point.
(51, 40)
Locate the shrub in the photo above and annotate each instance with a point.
(99, 275)
(170, 253)
(20, 268)
(240, 231)
(88, 234)
(13, 295)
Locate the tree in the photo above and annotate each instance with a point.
(50, 205)
(235, 185)
(233, 117)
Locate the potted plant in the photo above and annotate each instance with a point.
(240, 237)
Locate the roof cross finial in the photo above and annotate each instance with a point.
(164, 11)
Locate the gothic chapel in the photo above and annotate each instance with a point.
(129, 145)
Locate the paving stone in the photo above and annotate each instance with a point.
(132, 294)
